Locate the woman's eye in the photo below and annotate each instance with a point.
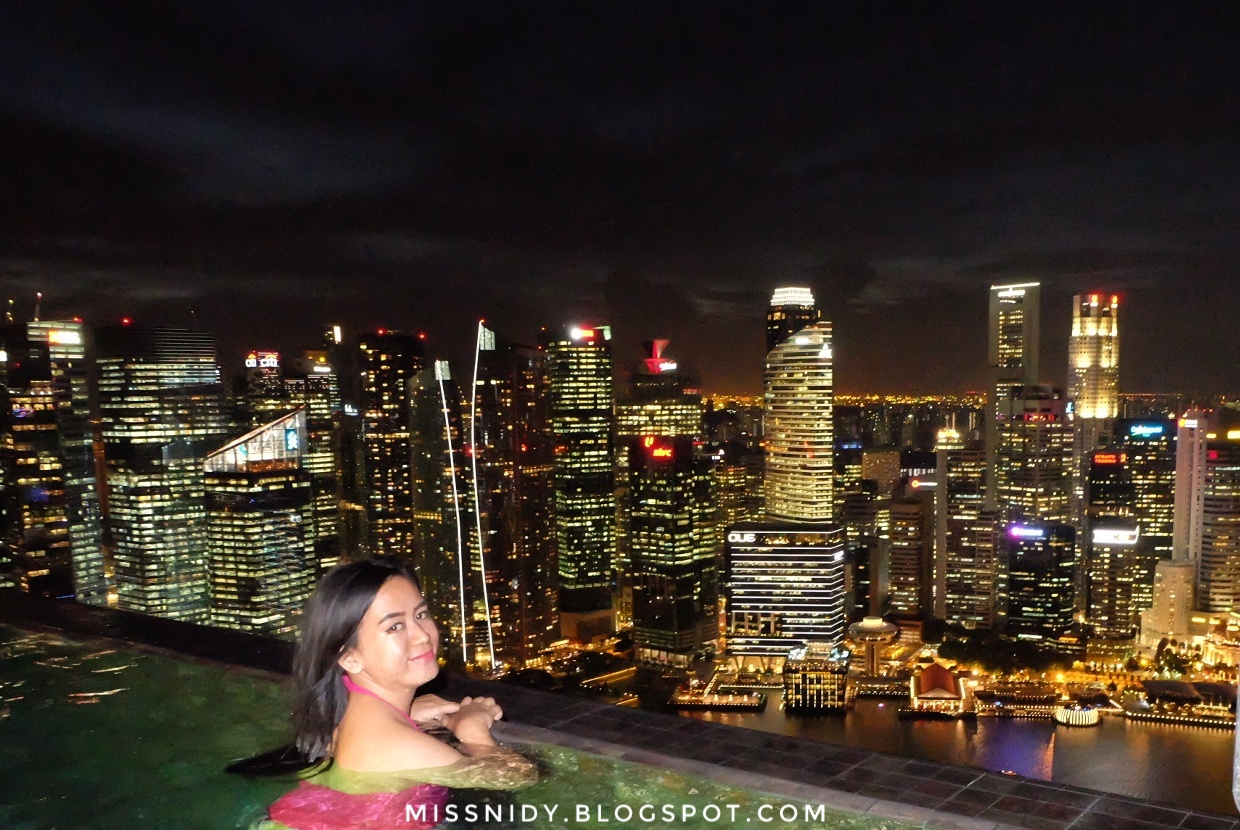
(396, 626)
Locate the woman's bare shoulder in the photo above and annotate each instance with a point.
(374, 741)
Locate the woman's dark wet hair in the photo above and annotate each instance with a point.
(328, 629)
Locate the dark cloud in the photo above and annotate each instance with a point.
(277, 166)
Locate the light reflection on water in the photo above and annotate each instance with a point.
(1185, 765)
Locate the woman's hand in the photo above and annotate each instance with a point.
(431, 709)
(471, 722)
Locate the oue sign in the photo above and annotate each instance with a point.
(742, 537)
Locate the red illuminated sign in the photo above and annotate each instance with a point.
(1110, 458)
(656, 449)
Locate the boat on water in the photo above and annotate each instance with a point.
(1076, 715)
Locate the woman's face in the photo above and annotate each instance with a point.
(396, 640)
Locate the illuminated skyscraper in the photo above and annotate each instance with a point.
(784, 589)
(675, 549)
(1149, 449)
(800, 450)
(260, 525)
(389, 361)
(785, 585)
(966, 535)
(792, 309)
(161, 404)
(443, 515)
(49, 502)
(910, 561)
(1093, 383)
(265, 396)
(668, 506)
(1190, 480)
(1120, 569)
(312, 383)
(1013, 361)
(1033, 456)
(660, 402)
(1218, 569)
(1040, 563)
(510, 473)
(582, 423)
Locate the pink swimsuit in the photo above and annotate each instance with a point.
(317, 807)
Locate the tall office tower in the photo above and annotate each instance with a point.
(1093, 383)
(731, 471)
(1119, 574)
(389, 360)
(661, 402)
(583, 423)
(675, 549)
(866, 520)
(1013, 361)
(50, 497)
(161, 407)
(510, 472)
(260, 525)
(1218, 569)
(312, 384)
(792, 309)
(1032, 469)
(784, 589)
(1174, 600)
(1040, 563)
(1108, 485)
(910, 562)
(966, 535)
(1120, 569)
(1190, 480)
(1149, 449)
(444, 517)
(800, 450)
(265, 397)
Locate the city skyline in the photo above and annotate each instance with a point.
(247, 170)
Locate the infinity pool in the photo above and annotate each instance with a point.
(96, 736)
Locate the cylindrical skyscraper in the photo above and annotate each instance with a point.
(800, 457)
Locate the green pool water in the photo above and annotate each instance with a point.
(96, 736)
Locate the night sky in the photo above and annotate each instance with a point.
(275, 167)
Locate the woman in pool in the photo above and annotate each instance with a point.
(367, 643)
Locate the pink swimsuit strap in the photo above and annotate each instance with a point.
(361, 690)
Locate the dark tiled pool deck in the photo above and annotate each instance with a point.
(846, 778)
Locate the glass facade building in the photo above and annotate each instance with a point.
(1093, 384)
(582, 423)
(312, 384)
(1012, 357)
(388, 361)
(792, 309)
(443, 516)
(1040, 566)
(52, 541)
(261, 565)
(784, 589)
(510, 476)
(799, 427)
(161, 407)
